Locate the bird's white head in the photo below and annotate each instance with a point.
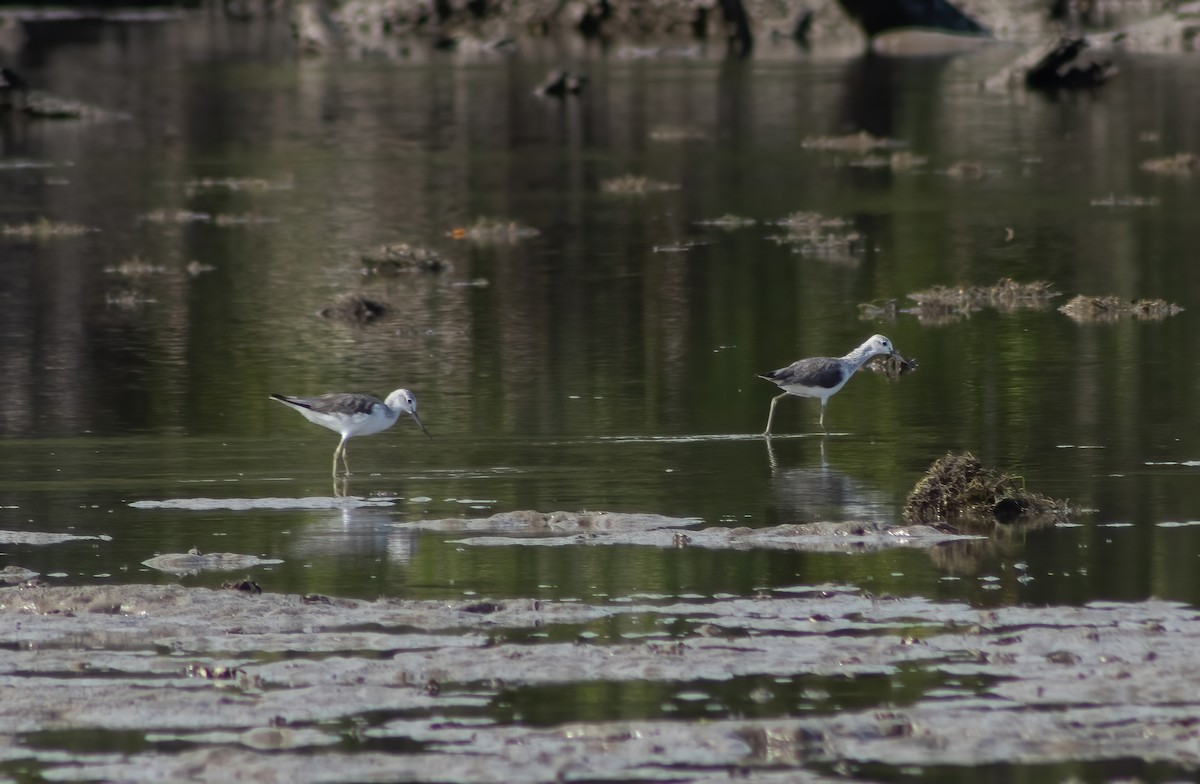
(405, 402)
(878, 344)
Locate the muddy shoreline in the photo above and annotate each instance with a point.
(314, 688)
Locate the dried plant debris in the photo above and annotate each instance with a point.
(1110, 308)
(487, 231)
(813, 234)
(878, 310)
(135, 268)
(164, 215)
(1185, 164)
(241, 219)
(47, 106)
(398, 258)
(127, 300)
(44, 229)
(902, 160)
(530, 521)
(677, 133)
(966, 171)
(941, 304)
(729, 222)
(196, 268)
(635, 185)
(861, 142)
(1131, 200)
(958, 490)
(238, 184)
(892, 367)
(354, 309)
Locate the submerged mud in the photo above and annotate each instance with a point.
(214, 685)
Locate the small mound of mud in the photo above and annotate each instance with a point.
(398, 258)
(41, 537)
(354, 309)
(559, 83)
(12, 575)
(195, 562)
(1110, 308)
(635, 185)
(958, 489)
(1185, 164)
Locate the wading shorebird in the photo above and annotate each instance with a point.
(822, 377)
(354, 415)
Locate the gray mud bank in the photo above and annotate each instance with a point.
(204, 685)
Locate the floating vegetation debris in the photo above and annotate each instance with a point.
(1110, 308)
(880, 309)
(164, 215)
(966, 171)
(679, 247)
(44, 229)
(127, 300)
(861, 142)
(948, 303)
(398, 258)
(635, 185)
(959, 491)
(135, 268)
(891, 367)
(813, 234)
(902, 160)
(196, 268)
(677, 133)
(52, 107)
(354, 309)
(729, 222)
(241, 219)
(493, 230)
(249, 184)
(1112, 200)
(1185, 164)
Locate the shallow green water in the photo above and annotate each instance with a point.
(609, 362)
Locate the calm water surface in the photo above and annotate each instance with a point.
(609, 362)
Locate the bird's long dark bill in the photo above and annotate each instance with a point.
(417, 419)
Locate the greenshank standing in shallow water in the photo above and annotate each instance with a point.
(354, 415)
(822, 377)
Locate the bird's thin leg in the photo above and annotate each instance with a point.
(345, 461)
(821, 422)
(771, 414)
(341, 446)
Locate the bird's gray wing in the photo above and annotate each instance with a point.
(336, 403)
(815, 372)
